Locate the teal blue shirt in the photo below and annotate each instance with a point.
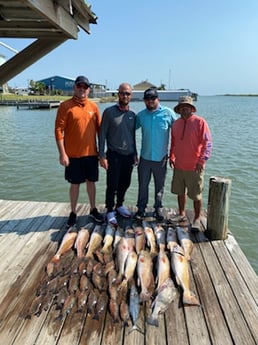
(155, 127)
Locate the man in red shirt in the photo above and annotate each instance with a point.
(191, 146)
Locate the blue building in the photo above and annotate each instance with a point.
(58, 83)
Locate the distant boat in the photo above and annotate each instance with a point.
(164, 95)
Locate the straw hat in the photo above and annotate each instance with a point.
(185, 100)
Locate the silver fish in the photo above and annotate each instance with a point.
(134, 308)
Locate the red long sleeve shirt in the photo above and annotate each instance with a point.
(191, 143)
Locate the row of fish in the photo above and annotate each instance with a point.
(101, 265)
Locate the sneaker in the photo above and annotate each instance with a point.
(123, 211)
(111, 218)
(139, 215)
(158, 215)
(94, 213)
(71, 220)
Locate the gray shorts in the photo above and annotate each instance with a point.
(188, 182)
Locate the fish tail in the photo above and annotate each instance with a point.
(153, 321)
(190, 298)
(104, 250)
(122, 285)
(135, 328)
(153, 253)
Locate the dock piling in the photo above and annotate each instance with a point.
(218, 207)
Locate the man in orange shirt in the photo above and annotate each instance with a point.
(76, 130)
(191, 146)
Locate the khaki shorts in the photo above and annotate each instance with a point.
(188, 182)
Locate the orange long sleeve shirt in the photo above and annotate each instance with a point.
(78, 123)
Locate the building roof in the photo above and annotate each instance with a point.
(143, 85)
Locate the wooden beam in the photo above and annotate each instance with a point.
(55, 14)
(27, 57)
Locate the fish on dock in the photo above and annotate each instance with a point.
(134, 308)
(140, 239)
(130, 266)
(95, 240)
(185, 241)
(180, 268)
(66, 244)
(119, 233)
(83, 238)
(145, 275)
(163, 268)
(151, 240)
(108, 239)
(122, 251)
(160, 234)
(166, 294)
(171, 238)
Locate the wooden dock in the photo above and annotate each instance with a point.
(221, 277)
(37, 104)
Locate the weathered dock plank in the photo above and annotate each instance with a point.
(220, 276)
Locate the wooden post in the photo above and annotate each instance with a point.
(218, 207)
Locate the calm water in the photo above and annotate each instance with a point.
(29, 167)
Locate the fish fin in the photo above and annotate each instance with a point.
(189, 298)
(145, 296)
(122, 285)
(153, 254)
(136, 328)
(152, 321)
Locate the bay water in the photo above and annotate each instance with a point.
(30, 169)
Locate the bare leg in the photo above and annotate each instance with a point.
(74, 194)
(91, 190)
(181, 204)
(197, 208)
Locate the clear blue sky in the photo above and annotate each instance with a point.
(210, 47)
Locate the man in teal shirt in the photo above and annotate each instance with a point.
(155, 122)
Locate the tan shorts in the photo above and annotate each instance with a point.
(188, 182)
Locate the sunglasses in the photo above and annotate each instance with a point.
(124, 93)
(82, 86)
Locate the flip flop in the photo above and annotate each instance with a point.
(177, 219)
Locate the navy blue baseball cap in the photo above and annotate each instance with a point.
(82, 80)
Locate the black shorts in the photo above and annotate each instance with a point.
(81, 169)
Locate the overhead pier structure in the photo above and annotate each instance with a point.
(49, 22)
